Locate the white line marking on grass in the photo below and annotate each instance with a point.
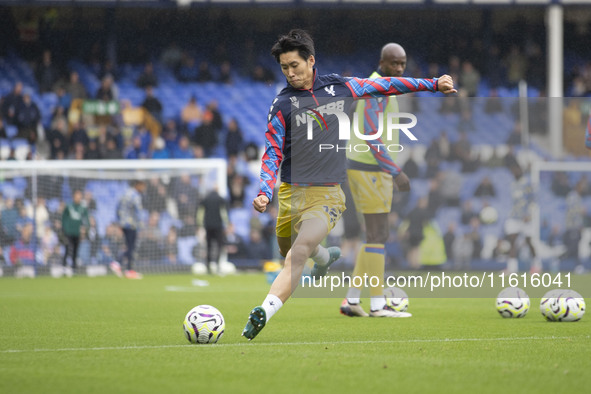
(438, 340)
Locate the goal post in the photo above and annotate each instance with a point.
(33, 195)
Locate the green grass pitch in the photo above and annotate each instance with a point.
(111, 335)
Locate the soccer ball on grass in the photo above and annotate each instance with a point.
(204, 324)
(512, 302)
(396, 299)
(562, 305)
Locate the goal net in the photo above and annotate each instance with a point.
(33, 196)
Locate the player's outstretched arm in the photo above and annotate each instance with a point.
(260, 203)
(445, 84)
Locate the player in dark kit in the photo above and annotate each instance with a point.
(310, 198)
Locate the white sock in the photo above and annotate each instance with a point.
(377, 303)
(512, 265)
(271, 305)
(322, 256)
(353, 295)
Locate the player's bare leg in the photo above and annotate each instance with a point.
(310, 234)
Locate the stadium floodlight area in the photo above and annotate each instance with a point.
(167, 239)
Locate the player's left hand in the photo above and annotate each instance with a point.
(445, 84)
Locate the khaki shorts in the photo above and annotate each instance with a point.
(299, 203)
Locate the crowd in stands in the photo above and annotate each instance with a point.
(201, 130)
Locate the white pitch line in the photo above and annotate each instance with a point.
(187, 346)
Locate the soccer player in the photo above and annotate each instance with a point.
(128, 213)
(310, 198)
(372, 175)
(75, 216)
(519, 221)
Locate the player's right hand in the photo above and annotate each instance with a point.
(445, 84)
(402, 182)
(260, 203)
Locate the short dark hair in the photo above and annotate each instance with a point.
(296, 40)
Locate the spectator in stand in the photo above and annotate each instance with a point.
(467, 212)
(28, 118)
(234, 139)
(493, 103)
(3, 134)
(92, 151)
(22, 252)
(474, 236)
(186, 196)
(560, 184)
(417, 219)
(184, 150)
(11, 103)
(410, 167)
(206, 135)
(107, 91)
(444, 145)
(461, 149)
(152, 104)
(148, 77)
(8, 219)
(47, 73)
(494, 68)
(469, 79)
(256, 247)
(64, 100)
(79, 152)
(225, 72)
(160, 151)
(79, 135)
(510, 160)
(450, 184)
(155, 198)
(234, 244)
(263, 74)
(112, 152)
(172, 56)
(88, 201)
(57, 138)
(171, 248)
(515, 136)
(216, 116)
(150, 240)
(171, 135)
(146, 138)
(111, 244)
(192, 112)
(188, 70)
(516, 64)
(448, 241)
(434, 198)
(204, 74)
(485, 188)
(135, 150)
(109, 68)
(75, 88)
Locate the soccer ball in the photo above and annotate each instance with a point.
(396, 299)
(562, 305)
(204, 324)
(512, 302)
